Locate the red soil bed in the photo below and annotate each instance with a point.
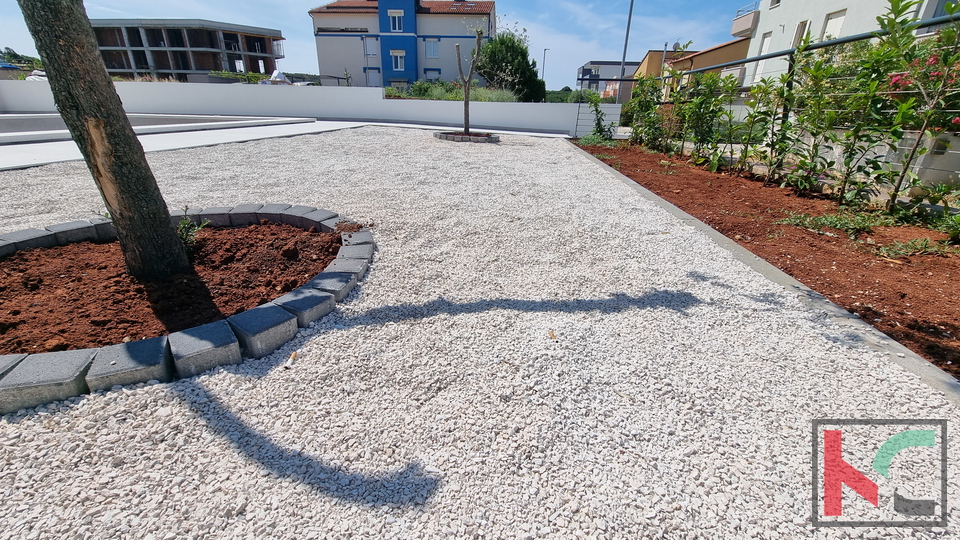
(79, 295)
(911, 299)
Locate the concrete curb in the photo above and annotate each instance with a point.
(31, 380)
(466, 138)
(872, 338)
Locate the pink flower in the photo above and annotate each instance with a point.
(956, 120)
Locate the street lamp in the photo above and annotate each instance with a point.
(623, 62)
(543, 66)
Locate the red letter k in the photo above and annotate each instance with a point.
(837, 472)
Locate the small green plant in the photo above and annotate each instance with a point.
(187, 231)
(942, 194)
(599, 128)
(596, 140)
(917, 246)
(852, 223)
(952, 227)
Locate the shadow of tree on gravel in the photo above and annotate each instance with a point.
(679, 301)
(411, 485)
(407, 487)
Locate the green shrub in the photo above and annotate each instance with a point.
(596, 140)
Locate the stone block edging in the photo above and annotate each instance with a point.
(29, 380)
(466, 138)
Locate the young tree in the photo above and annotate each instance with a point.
(505, 63)
(91, 108)
(466, 80)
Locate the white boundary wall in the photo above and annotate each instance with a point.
(321, 102)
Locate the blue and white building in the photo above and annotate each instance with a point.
(397, 42)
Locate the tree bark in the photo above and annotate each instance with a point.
(91, 108)
(468, 79)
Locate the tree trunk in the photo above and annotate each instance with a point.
(91, 108)
(466, 108)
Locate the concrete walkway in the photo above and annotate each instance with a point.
(540, 350)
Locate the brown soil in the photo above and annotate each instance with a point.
(911, 299)
(79, 295)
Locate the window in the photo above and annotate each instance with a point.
(833, 25)
(397, 57)
(433, 48)
(432, 74)
(764, 49)
(370, 46)
(800, 33)
(774, 3)
(396, 20)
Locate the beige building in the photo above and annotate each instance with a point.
(725, 52)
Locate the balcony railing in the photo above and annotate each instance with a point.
(747, 9)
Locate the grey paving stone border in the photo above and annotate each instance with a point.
(36, 379)
(873, 338)
(466, 138)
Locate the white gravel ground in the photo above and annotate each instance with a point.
(538, 351)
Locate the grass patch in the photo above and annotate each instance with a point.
(604, 156)
(917, 246)
(851, 223)
(596, 140)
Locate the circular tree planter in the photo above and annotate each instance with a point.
(458, 136)
(28, 380)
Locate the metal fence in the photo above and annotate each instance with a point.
(940, 165)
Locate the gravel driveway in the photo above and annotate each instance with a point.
(537, 351)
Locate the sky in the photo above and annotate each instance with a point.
(575, 32)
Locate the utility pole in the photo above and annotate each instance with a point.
(623, 62)
(543, 66)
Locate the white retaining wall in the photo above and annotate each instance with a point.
(321, 102)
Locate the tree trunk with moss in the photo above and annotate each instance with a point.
(91, 108)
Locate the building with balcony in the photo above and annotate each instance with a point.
(593, 76)
(777, 25)
(178, 48)
(397, 42)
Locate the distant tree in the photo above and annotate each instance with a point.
(559, 96)
(11, 56)
(506, 63)
(91, 108)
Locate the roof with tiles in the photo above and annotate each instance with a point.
(459, 7)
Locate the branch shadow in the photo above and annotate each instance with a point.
(406, 487)
(412, 485)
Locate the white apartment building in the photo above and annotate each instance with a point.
(397, 42)
(777, 25)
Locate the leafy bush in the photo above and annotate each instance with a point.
(596, 140)
(248, 78)
(453, 91)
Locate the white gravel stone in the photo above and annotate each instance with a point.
(537, 350)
